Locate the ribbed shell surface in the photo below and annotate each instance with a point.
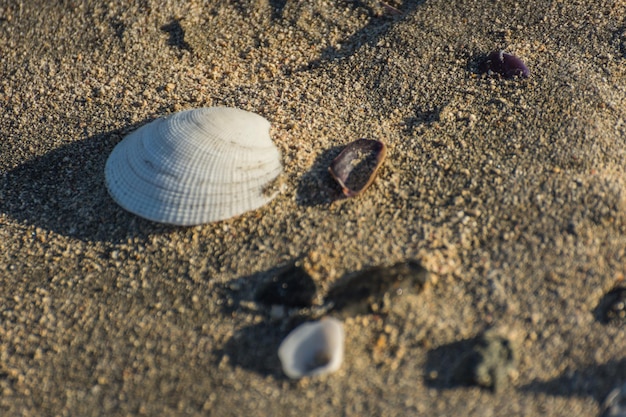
(196, 166)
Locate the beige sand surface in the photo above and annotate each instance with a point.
(511, 192)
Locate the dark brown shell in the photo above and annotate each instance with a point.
(356, 166)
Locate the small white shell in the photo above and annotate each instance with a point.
(313, 348)
(195, 166)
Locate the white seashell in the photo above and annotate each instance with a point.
(313, 348)
(195, 166)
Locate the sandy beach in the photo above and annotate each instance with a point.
(510, 192)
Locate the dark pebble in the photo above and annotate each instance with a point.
(290, 286)
(357, 292)
(505, 64)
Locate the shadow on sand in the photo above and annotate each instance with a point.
(316, 186)
(64, 192)
(376, 28)
(595, 380)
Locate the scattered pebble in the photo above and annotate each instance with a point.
(505, 64)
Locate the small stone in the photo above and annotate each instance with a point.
(505, 64)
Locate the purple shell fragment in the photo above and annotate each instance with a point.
(505, 64)
(356, 166)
